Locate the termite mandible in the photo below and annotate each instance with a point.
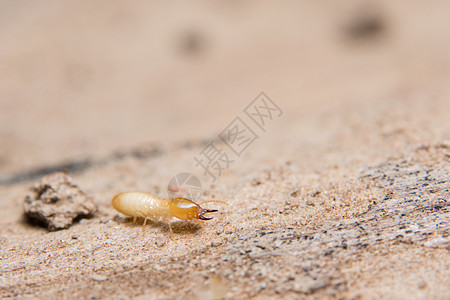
(151, 207)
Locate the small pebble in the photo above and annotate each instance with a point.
(97, 277)
(422, 284)
(160, 241)
(295, 193)
(310, 202)
(219, 230)
(277, 244)
(314, 193)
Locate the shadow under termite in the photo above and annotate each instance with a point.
(179, 227)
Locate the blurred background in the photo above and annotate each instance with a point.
(85, 78)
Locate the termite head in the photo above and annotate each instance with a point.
(185, 209)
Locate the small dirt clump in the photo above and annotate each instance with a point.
(56, 202)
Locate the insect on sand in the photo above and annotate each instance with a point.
(151, 207)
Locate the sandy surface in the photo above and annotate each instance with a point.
(345, 194)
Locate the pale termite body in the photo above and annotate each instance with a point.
(151, 207)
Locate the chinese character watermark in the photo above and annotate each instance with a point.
(213, 160)
(185, 185)
(262, 109)
(238, 136)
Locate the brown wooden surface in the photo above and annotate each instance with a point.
(345, 195)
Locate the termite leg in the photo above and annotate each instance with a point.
(142, 215)
(198, 222)
(145, 221)
(171, 230)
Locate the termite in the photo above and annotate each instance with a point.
(151, 207)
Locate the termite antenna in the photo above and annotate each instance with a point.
(217, 201)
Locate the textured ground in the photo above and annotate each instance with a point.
(345, 195)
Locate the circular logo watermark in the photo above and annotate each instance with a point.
(185, 185)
